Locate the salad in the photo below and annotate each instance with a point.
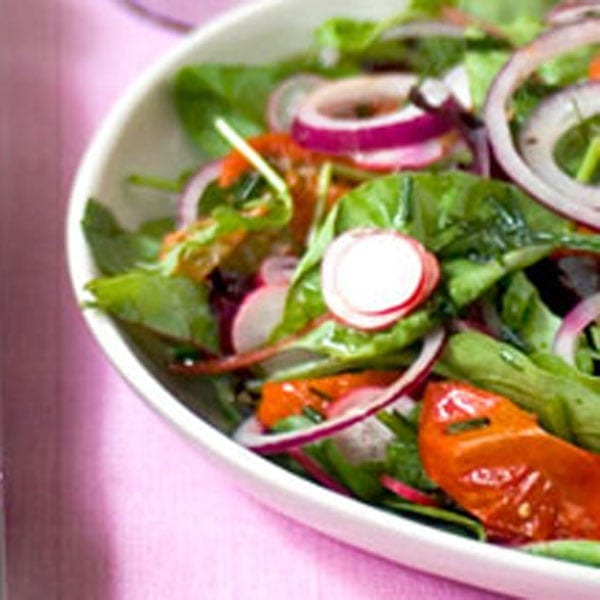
(385, 265)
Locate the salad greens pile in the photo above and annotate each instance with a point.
(506, 262)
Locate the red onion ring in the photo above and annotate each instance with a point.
(546, 125)
(567, 12)
(284, 101)
(415, 156)
(314, 128)
(250, 432)
(187, 203)
(585, 312)
(406, 492)
(576, 201)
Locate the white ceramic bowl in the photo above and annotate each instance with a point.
(141, 134)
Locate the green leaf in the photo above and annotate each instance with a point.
(524, 312)
(114, 249)
(585, 552)
(237, 93)
(481, 229)
(566, 401)
(173, 307)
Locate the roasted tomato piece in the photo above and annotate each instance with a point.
(494, 460)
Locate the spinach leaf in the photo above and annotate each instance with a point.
(526, 315)
(566, 401)
(173, 307)
(480, 229)
(585, 552)
(114, 249)
(237, 93)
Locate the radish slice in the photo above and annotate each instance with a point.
(187, 203)
(379, 273)
(250, 433)
(372, 277)
(406, 492)
(287, 97)
(277, 270)
(260, 312)
(583, 314)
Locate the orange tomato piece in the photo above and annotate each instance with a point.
(521, 482)
(284, 399)
(594, 69)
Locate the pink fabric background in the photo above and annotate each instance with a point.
(104, 500)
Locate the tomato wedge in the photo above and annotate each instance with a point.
(494, 460)
(299, 167)
(284, 399)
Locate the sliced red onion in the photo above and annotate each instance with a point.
(316, 126)
(314, 469)
(583, 314)
(575, 200)
(284, 101)
(406, 492)
(258, 315)
(250, 435)
(415, 156)
(187, 204)
(277, 270)
(457, 81)
(569, 11)
(547, 124)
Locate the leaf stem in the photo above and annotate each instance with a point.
(255, 159)
(590, 163)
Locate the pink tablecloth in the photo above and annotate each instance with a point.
(104, 500)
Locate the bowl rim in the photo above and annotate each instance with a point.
(246, 465)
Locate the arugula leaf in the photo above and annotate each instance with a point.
(566, 401)
(173, 307)
(585, 552)
(114, 249)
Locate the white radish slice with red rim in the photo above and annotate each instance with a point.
(372, 277)
(380, 273)
(258, 315)
(277, 270)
